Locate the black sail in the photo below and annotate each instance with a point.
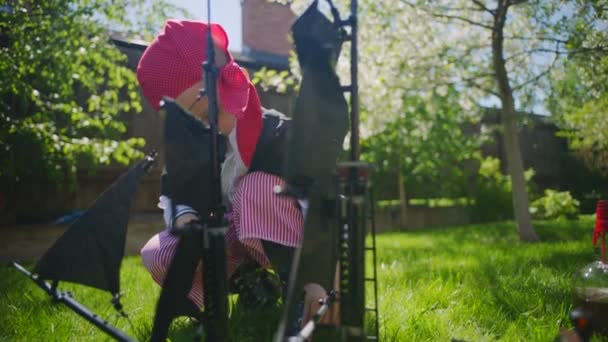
(319, 126)
(188, 162)
(320, 118)
(187, 181)
(91, 249)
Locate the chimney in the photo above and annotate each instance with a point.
(266, 28)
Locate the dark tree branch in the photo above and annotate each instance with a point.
(455, 9)
(516, 2)
(469, 81)
(469, 50)
(487, 90)
(600, 49)
(532, 51)
(472, 82)
(466, 20)
(548, 39)
(448, 16)
(597, 49)
(483, 7)
(539, 76)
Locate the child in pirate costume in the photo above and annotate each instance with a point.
(264, 228)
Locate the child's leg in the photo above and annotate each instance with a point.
(280, 258)
(156, 256)
(262, 220)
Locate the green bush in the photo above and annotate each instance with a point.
(555, 205)
(493, 199)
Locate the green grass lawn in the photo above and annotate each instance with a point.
(472, 283)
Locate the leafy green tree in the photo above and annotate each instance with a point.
(427, 146)
(63, 87)
(579, 97)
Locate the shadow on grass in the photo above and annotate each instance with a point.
(567, 261)
(245, 325)
(565, 230)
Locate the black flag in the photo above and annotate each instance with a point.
(187, 181)
(320, 123)
(92, 248)
(188, 161)
(320, 118)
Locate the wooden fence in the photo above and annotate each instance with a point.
(27, 243)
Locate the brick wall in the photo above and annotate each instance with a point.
(266, 26)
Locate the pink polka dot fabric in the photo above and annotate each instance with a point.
(240, 98)
(173, 61)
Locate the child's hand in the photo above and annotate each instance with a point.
(184, 214)
(184, 220)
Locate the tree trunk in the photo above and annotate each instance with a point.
(402, 200)
(509, 122)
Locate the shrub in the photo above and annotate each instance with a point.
(493, 199)
(555, 205)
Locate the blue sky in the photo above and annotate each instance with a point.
(224, 12)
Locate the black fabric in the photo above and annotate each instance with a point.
(187, 178)
(269, 155)
(91, 249)
(317, 39)
(320, 123)
(280, 257)
(258, 287)
(320, 118)
(173, 300)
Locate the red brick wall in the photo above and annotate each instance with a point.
(266, 26)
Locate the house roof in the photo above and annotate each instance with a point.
(252, 60)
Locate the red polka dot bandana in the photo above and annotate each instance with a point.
(172, 63)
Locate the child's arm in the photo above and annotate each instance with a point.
(183, 215)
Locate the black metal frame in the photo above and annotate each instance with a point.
(352, 212)
(211, 229)
(352, 184)
(66, 299)
(214, 272)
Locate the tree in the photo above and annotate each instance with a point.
(63, 87)
(521, 203)
(529, 39)
(581, 110)
(579, 93)
(494, 52)
(427, 147)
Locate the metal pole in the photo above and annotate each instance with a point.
(74, 305)
(354, 94)
(214, 231)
